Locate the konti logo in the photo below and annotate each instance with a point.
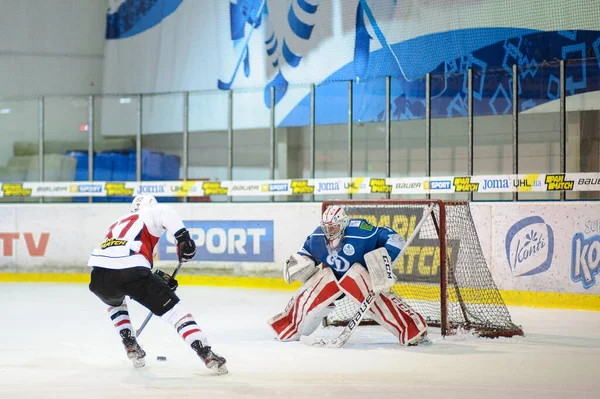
(529, 246)
(585, 259)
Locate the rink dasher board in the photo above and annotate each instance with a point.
(51, 238)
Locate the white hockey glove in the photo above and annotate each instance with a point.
(379, 265)
(298, 268)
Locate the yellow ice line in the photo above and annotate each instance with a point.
(512, 298)
(212, 281)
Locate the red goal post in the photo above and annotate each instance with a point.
(443, 273)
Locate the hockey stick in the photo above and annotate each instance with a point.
(340, 340)
(227, 85)
(150, 314)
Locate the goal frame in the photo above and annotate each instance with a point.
(439, 223)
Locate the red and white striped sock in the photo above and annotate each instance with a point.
(185, 325)
(120, 318)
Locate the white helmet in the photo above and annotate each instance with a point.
(333, 223)
(142, 201)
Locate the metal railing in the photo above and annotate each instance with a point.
(516, 106)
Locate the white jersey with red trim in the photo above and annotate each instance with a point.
(131, 240)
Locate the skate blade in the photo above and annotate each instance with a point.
(214, 366)
(423, 340)
(426, 341)
(138, 363)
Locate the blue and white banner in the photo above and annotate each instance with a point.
(181, 45)
(225, 241)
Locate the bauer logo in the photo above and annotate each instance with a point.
(529, 246)
(225, 240)
(585, 259)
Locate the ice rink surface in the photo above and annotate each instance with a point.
(57, 341)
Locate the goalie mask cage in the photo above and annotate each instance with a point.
(443, 274)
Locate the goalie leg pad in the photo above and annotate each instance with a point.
(399, 319)
(307, 307)
(388, 310)
(356, 282)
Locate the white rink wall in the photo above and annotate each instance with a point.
(529, 246)
(242, 238)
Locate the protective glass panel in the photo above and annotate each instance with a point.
(208, 140)
(492, 128)
(66, 140)
(251, 138)
(583, 122)
(162, 139)
(293, 137)
(449, 127)
(368, 137)
(408, 109)
(539, 125)
(116, 123)
(331, 115)
(20, 143)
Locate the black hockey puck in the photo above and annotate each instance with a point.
(163, 358)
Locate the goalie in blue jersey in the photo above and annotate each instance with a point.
(350, 257)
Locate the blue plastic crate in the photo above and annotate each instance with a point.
(152, 165)
(81, 168)
(171, 165)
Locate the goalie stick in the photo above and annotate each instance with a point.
(150, 314)
(364, 307)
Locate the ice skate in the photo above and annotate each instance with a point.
(421, 340)
(133, 349)
(210, 359)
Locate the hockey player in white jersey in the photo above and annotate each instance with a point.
(122, 267)
(350, 257)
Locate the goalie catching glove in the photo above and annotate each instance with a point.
(186, 247)
(299, 268)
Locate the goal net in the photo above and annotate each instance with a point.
(443, 274)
